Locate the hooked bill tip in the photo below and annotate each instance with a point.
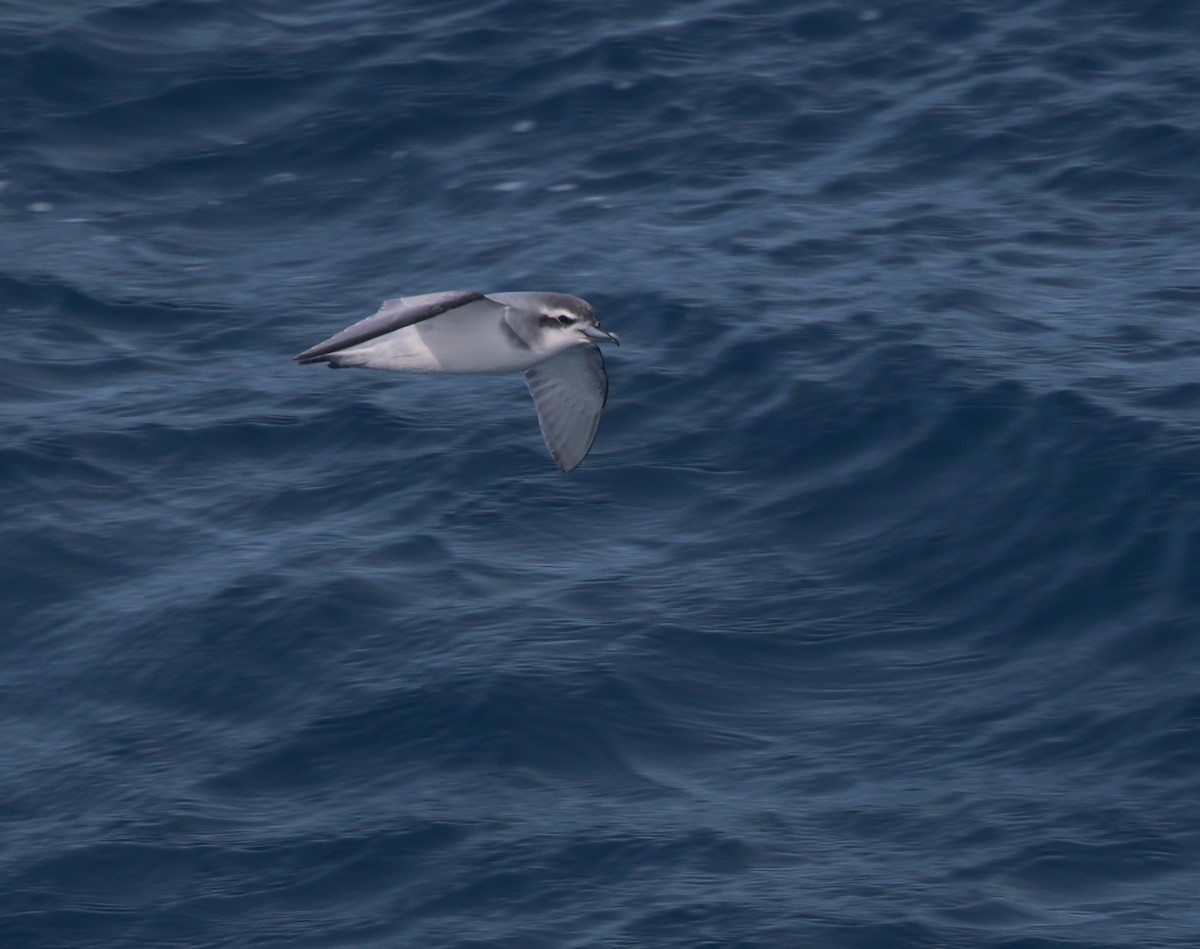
(601, 335)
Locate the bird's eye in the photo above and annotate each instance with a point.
(563, 319)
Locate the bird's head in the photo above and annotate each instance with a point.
(567, 321)
(552, 322)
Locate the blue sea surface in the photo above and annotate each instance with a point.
(873, 618)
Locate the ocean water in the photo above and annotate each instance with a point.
(872, 619)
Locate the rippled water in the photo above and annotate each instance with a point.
(871, 620)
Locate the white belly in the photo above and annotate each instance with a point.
(449, 343)
(401, 351)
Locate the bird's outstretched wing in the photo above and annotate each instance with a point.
(569, 391)
(393, 315)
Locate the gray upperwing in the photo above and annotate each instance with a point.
(393, 315)
(569, 391)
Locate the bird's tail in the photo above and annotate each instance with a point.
(332, 360)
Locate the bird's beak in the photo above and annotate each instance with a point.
(600, 335)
